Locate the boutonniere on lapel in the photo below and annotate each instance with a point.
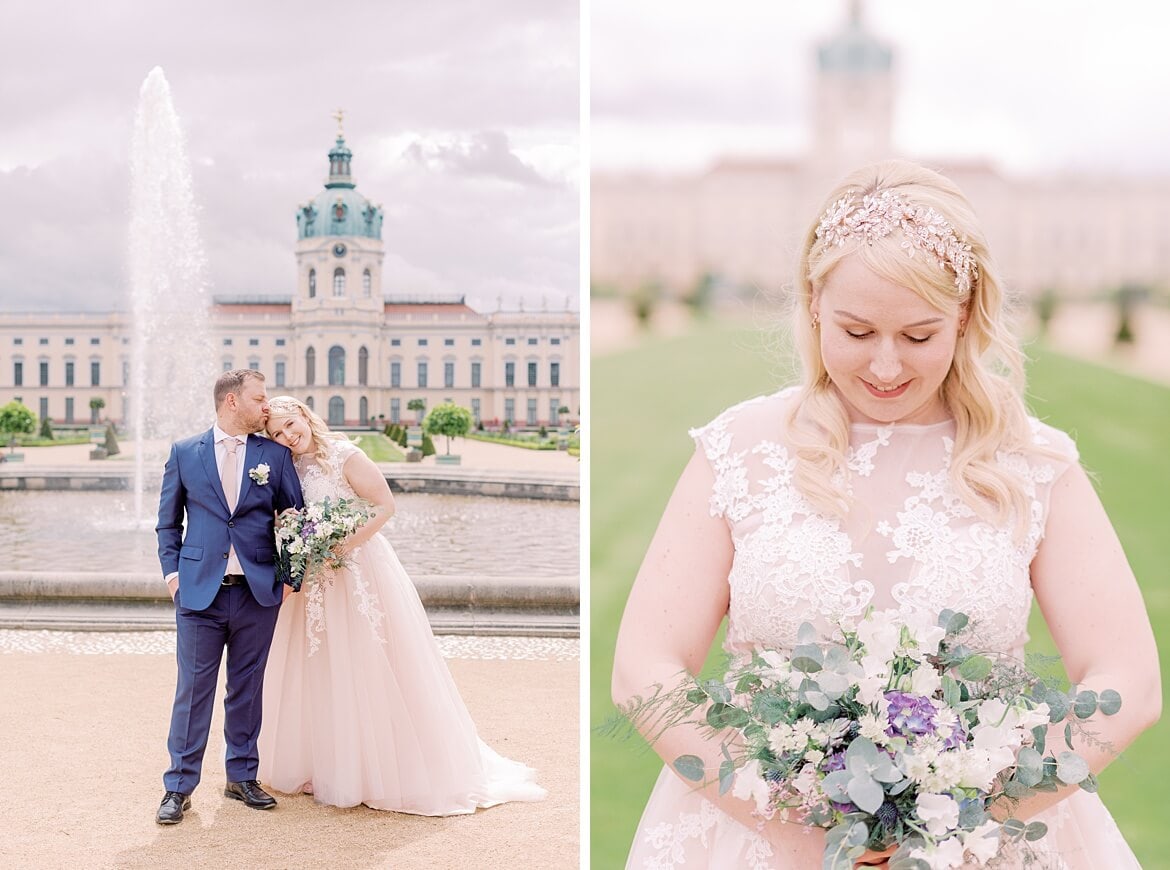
(259, 474)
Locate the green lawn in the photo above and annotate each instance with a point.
(644, 400)
(379, 448)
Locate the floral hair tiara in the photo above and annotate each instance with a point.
(878, 214)
(283, 405)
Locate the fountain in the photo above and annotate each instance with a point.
(173, 364)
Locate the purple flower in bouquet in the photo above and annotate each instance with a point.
(909, 715)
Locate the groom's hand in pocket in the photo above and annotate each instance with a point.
(173, 585)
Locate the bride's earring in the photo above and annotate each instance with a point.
(816, 321)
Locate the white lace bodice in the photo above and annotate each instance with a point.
(317, 482)
(908, 542)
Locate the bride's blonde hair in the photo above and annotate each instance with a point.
(289, 406)
(983, 391)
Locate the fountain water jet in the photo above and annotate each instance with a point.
(172, 355)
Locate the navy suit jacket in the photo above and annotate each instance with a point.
(191, 486)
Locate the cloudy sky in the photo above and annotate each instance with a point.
(462, 117)
(1033, 86)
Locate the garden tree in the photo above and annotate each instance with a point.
(562, 410)
(16, 419)
(428, 446)
(418, 405)
(47, 429)
(644, 299)
(448, 419)
(95, 406)
(699, 296)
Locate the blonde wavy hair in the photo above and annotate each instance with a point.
(289, 406)
(983, 391)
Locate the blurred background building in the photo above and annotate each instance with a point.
(735, 227)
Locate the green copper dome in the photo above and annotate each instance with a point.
(853, 50)
(339, 210)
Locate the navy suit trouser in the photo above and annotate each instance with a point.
(236, 621)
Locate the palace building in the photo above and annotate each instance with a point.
(358, 357)
(741, 221)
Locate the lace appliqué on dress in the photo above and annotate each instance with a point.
(670, 840)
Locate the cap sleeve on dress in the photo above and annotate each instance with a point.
(1060, 455)
(725, 443)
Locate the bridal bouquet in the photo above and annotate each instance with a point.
(893, 733)
(306, 538)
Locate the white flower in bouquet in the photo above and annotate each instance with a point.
(751, 785)
(983, 842)
(943, 855)
(925, 681)
(940, 812)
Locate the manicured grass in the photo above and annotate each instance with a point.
(379, 448)
(530, 442)
(645, 399)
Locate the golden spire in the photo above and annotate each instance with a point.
(339, 115)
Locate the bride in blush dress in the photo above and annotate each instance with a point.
(904, 473)
(359, 707)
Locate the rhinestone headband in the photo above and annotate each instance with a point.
(879, 214)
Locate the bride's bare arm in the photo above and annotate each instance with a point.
(678, 600)
(368, 483)
(1094, 609)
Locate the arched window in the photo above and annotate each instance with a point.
(363, 366)
(310, 367)
(338, 281)
(364, 411)
(336, 411)
(367, 283)
(309, 402)
(336, 366)
(312, 283)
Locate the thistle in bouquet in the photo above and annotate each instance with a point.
(892, 733)
(309, 540)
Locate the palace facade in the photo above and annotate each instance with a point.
(358, 357)
(742, 221)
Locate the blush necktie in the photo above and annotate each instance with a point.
(229, 476)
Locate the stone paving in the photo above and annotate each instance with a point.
(468, 647)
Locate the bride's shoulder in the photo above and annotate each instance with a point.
(750, 420)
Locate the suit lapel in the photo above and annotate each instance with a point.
(207, 455)
(251, 459)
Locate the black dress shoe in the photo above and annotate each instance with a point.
(170, 811)
(249, 792)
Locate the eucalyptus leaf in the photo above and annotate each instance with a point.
(836, 785)
(1085, 704)
(1090, 784)
(865, 791)
(858, 834)
(807, 633)
(721, 716)
(817, 700)
(971, 814)
(1058, 705)
(690, 767)
(1014, 827)
(833, 684)
(950, 690)
(1068, 735)
(944, 617)
(900, 786)
(975, 668)
(1109, 702)
(1071, 768)
(726, 776)
(696, 696)
(717, 690)
(1013, 788)
(837, 659)
(1029, 766)
(1039, 738)
(1035, 831)
(807, 658)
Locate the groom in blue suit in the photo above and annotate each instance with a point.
(230, 484)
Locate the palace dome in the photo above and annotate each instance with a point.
(339, 210)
